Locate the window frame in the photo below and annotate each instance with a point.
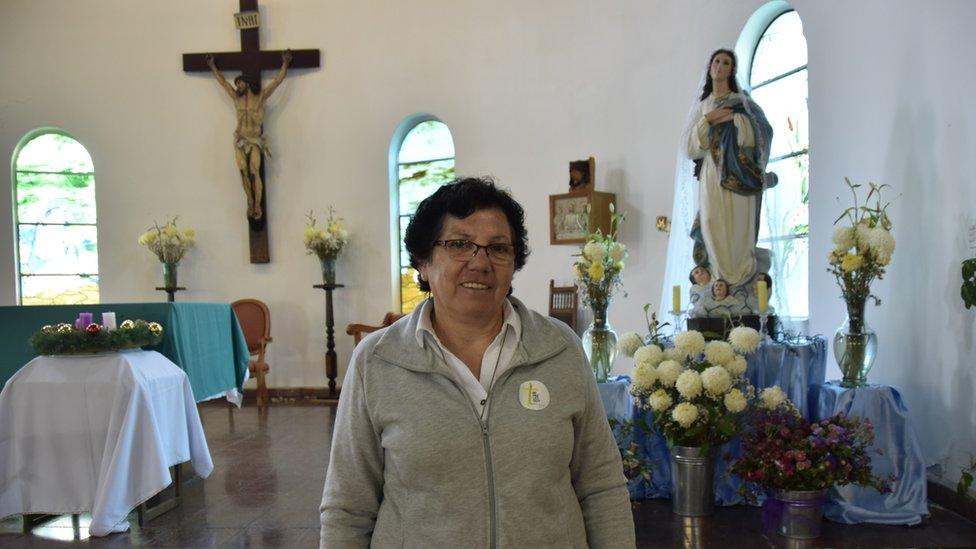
(746, 49)
(14, 179)
(396, 143)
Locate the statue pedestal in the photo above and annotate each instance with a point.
(722, 325)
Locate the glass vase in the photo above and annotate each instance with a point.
(170, 274)
(600, 343)
(855, 346)
(328, 270)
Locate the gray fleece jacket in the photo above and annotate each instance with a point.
(413, 465)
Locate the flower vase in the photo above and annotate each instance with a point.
(600, 343)
(855, 346)
(692, 481)
(170, 274)
(795, 514)
(328, 270)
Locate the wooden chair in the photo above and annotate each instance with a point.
(255, 321)
(357, 331)
(563, 303)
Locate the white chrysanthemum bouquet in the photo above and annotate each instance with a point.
(326, 243)
(697, 390)
(863, 248)
(600, 263)
(168, 242)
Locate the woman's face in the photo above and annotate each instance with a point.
(475, 286)
(721, 67)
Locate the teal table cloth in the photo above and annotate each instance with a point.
(204, 339)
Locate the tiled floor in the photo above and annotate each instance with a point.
(268, 477)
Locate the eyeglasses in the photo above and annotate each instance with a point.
(463, 250)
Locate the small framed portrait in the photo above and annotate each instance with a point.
(581, 173)
(568, 218)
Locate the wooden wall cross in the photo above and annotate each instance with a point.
(250, 149)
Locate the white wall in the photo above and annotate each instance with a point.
(890, 94)
(525, 87)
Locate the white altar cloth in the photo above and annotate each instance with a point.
(96, 433)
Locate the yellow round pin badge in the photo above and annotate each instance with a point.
(534, 395)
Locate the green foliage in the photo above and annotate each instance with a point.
(636, 465)
(50, 340)
(966, 480)
(969, 282)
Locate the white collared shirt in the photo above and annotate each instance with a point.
(496, 360)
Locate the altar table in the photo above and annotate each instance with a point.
(96, 433)
(203, 339)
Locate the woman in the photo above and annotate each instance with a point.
(473, 421)
(729, 142)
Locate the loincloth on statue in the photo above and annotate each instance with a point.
(244, 144)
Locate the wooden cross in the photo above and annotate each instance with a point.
(251, 60)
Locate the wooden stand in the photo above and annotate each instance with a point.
(331, 367)
(170, 292)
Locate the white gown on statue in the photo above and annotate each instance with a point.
(728, 220)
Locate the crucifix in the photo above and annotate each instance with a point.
(250, 145)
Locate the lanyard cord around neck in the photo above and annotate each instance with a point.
(498, 359)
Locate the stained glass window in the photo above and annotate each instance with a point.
(57, 240)
(778, 83)
(425, 162)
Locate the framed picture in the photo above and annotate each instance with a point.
(567, 218)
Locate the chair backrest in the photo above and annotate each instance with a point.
(357, 331)
(255, 321)
(563, 303)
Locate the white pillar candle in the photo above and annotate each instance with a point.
(108, 320)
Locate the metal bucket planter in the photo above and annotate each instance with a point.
(692, 481)
(796, 514)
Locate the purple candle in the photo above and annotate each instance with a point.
(86, 319)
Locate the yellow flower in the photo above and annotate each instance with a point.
(189, 233)
(852, 262)
(596, 272)
(169, 230)
(310, 233)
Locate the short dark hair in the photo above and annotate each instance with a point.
(461, 198)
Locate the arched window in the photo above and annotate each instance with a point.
(421, 160)
(54, 215)
(777, 80)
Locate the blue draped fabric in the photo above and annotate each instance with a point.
(616, 398)
(743, 168)
(901, 457)
(793, 366)
(796, 367)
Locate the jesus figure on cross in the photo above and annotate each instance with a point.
(250, 145)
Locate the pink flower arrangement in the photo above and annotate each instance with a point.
(783, 451)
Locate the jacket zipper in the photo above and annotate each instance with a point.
(489, 471)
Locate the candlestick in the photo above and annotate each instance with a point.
(762, 328)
